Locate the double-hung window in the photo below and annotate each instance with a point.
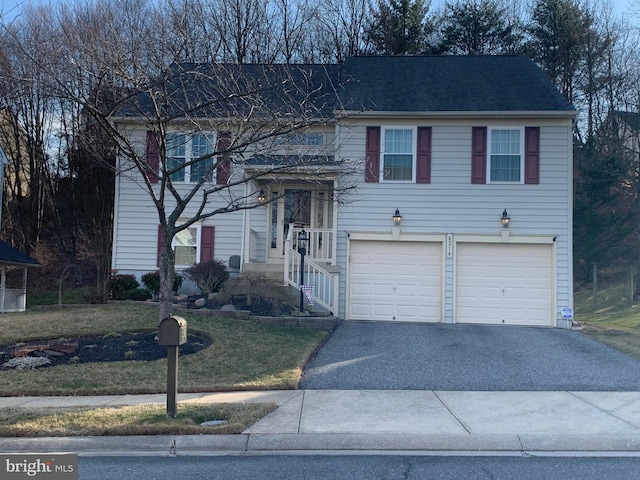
(186, 245)
(398, 154)
(506, 155)
(182, 149)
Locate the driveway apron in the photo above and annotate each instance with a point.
(413, 356)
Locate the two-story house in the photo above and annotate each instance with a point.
(462, 211)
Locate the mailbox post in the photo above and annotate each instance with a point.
(172, 332)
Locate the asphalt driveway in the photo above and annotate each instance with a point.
(397, 356)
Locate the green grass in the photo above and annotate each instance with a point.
(615, 321)
(149, 419)
(243, 355)
(47, 297)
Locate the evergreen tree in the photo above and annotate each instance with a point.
(478, 27)
(400, 27)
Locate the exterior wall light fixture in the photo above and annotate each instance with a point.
(397, 218)
(505, 219)
(261, 197)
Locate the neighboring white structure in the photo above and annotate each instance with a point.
(454, 145)
(14, 298)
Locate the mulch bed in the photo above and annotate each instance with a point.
(105, 348)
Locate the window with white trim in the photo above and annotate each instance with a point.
(183, 148)
(398, 152)
(506, 155)
(186, 245)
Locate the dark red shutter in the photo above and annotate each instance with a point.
(152, 157)
(479, 155)
(423, 174)
(532, 155)
(223, 171)
(160, 244)
(207, 235)
(372, 159)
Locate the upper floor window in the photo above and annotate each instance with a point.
(506, 155)
(398, 154)
(183, 148)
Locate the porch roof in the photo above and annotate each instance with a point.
(290, 160)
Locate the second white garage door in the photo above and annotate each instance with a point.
(504, 284)
(398, 281)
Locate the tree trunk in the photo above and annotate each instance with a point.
(167, 276)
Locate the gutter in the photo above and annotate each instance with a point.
(458, 114)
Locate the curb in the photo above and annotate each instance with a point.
(322, 444)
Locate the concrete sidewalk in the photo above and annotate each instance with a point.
(379, 420)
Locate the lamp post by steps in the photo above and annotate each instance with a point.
(302, 250)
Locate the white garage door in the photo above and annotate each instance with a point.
(504, 284)
(395, 281)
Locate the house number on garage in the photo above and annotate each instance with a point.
(449, 245)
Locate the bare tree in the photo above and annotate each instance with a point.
(342, 29)
(126, 87)
(26, 130)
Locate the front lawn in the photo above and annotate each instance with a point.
(615, 321)
(243, 355)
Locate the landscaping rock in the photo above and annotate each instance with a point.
(201, 302)
(228, 308)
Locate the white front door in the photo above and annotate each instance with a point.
(300, 206)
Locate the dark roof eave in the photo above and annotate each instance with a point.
(20, 264)
(568, 114)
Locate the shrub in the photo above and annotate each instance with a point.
(118, 284)
(209, 276)
(151, 281)
(92, 296)
(137, 294)
(256, 292)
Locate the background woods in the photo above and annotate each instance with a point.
(65, 68)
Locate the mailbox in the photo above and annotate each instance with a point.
(172, 331)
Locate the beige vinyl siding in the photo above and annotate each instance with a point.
(451, 204)
(136, 222)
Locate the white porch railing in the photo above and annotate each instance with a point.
(321, 246)
(325, 284)
(13, 300)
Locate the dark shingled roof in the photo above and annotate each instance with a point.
(11, 256)
(237, 90)
(448, 84)
(454, 83)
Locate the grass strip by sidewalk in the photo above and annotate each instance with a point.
(148, 419)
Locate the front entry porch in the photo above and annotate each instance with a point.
(271, 238)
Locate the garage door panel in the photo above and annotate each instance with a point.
(404, 281)
(498, 283)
